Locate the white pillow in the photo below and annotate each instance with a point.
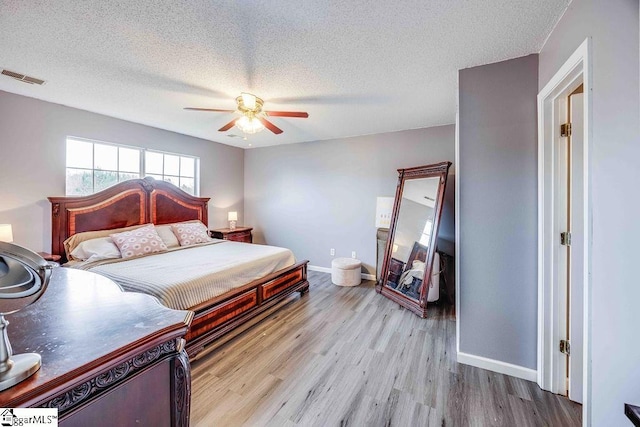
(138, 242)
(166, 234)
(96, 249)
(191, 233)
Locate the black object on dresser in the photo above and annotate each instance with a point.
(633, 413)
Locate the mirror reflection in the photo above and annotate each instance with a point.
(414, 229)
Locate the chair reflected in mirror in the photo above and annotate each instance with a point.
(410, 280)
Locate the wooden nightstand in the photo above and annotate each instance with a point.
(240, 234)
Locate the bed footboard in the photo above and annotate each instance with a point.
(215, 318)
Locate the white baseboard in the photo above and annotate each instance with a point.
(498, 366)
(328, 270)
(320, 269)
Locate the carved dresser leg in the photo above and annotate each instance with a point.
(180, 389)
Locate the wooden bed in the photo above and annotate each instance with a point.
(142, 201)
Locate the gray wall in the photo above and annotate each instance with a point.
(32, 162)
(498, 218)
(314, 196)
(615, 177)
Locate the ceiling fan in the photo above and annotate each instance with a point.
(253, 119)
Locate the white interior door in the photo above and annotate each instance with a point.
(576, 266)
(556, 320)
(562, 220)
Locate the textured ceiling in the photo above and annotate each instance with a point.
(358, 67)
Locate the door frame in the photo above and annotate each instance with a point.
(575, 70)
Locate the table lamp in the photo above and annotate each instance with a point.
(6, 233)
(233, 218)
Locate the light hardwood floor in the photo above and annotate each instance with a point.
(348, 356)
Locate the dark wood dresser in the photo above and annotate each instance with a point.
(240, 234)
(109, 357)
(396, 267)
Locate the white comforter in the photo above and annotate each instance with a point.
(186, 277)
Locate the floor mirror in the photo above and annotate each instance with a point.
(413, 234)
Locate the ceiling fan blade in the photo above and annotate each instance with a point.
(228, 126)
(300, 114)
(273, 128)
(215, 110)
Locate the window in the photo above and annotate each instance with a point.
(95, 166)
(173, 168)
(425, 238)
(92, 167)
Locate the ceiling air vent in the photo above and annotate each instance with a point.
(22, 77)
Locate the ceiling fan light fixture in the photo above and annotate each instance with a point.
(249, 100)
(252, 118)
(249, 125)
(249, 103)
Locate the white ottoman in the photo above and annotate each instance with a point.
(346, 271)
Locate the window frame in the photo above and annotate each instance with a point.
(427, 235)
(196, 167)
(142, 163)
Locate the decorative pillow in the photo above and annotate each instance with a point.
(142, 241)
(166, 234)
(191, 233)
(96, 249)
(72, 242)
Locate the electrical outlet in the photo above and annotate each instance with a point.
(333, 252)
(353, 254)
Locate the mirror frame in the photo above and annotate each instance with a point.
(438, 170)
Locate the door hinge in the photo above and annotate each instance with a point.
(565, 347)
(565, 130)
(565, 238)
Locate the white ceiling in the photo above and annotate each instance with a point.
(358, 67)
(421, 190)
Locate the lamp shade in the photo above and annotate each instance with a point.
(249, 100)
(249, 124)
(6, 233)
(233, 216)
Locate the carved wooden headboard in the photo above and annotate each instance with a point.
(133, 202)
